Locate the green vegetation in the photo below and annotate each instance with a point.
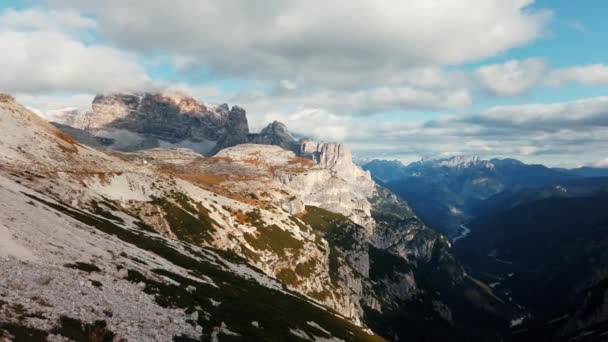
(242, 300)
(82, 332)
(273, 239)
(339, 231)
(323, 220)
(190, 223)
(101, 211)
(321, 295)
(306, 269)
(384, 264)
(270, 238)
(21, 332)
(287, 276)
(334, 265)
(300, 224)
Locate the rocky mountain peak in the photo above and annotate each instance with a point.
(276, 133)
(235, 130)
(237, 120)
(459, 161)
(185, 103)
(327, 155)
(336, 157)
(275, 127)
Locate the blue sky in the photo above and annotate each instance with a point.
(499, 78)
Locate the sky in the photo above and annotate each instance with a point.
(402, 80)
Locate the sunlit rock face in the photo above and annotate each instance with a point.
(131, 122)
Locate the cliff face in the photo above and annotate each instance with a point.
(235, 131)
(131, 122)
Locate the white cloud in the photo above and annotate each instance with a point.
(45, 104)
(595, 74)
(306, 122)
(515, 77)
(38, 19)
(567, 134)
(366, 101)
(512, 77)
(342, 44)
(601, 163)
(42, 53)
(567, 115)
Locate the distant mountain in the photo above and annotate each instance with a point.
(385, 170)
(444, 192)
(572, 188)
(586, 171)
(133, 122)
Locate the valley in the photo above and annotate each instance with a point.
(540, 247)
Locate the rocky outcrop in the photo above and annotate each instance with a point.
(235, 132)
(133, 122)
(166, 119)
(337, 158)
(276, 133)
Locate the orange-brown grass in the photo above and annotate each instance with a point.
(302, 161)
(241, 217)
(214, 183)
(203, 179)
(301, 214)
(71, 143)
(213, 160)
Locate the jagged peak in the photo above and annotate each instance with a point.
(456, 161)
(276, 127)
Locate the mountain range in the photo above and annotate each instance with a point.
(155, 217)
(536, 235)
(448, 192)
(546, 248)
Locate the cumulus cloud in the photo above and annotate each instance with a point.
(601, 163)
(595, 74)
(305, 122)
(512, 77)
(40, 58)
(568, 134)
(366, 101)
(347, 46)
(51, 20)
(515, 77)
(592, 112)
(291, 32)
(45, 104)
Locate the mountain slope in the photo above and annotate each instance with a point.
(311, 223)
(549, 254)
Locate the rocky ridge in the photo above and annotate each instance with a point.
(133, 122)
(311, 219)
